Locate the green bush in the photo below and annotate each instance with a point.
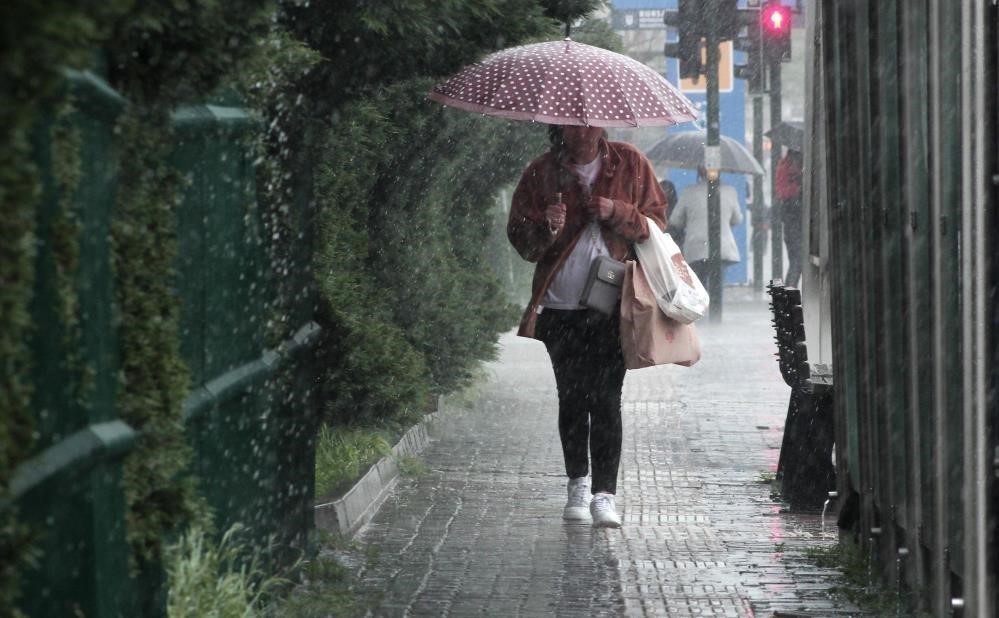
(406, 197)
(155, 54)
(399, 194)
(37, 41)
(160, 54)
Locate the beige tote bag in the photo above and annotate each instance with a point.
(648, 337)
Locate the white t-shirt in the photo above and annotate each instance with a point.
(569, 281)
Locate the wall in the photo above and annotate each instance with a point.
(907, 114)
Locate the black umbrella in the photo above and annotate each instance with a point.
(790, 133)
(686, 149)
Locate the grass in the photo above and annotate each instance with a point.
(323, 589)
(344, 453)
(324, 585)
(224, 579)
(858, 586)
(769, 477)
(766, 477)
(227, 578)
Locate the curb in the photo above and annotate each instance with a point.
(349, 513)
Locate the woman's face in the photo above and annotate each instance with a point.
(576, 136)
(581, 141)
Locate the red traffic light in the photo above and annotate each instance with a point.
(776, 19)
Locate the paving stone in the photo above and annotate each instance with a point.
(481, 532)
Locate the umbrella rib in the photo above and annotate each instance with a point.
(627, 102)
(577, 76)
(645, 79)
(540, 95)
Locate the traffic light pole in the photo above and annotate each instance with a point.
(759, 208)
(776, 216)
(714, 189)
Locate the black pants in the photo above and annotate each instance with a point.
(589, 370)
(791, 214)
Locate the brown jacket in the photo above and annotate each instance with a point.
(626, 177)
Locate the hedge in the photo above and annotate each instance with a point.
(395, 195)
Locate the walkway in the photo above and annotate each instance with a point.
(481, 534)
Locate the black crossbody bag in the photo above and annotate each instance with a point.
(602, 291)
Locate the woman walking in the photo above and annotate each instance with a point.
(691, 218)
(584, 198)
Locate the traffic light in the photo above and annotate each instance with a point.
(748, 40)
(753, 70)
(727, 16)
(775, 28)
(687, 21)
(694, 18)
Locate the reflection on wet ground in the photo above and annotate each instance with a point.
(481, 533)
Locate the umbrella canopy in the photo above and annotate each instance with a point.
(686, 149)
(564, 82)
(790, 133)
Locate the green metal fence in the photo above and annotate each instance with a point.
(906, 126)
(250, 415)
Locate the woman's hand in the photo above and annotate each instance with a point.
(600, 208)
(555, 215)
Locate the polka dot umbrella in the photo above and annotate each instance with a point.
(564, 82)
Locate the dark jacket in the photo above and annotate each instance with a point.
(626, 177)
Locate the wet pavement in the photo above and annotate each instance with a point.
(480, 533)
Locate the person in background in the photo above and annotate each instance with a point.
(584, 198)
(691, 217)
(787, 188)
(669, 190)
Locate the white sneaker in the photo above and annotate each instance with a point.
(579, 496)
(602, 511)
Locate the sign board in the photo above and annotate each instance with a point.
(638, 19)
(725, 72)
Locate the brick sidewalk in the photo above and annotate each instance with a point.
(481, 533)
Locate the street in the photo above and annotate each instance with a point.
(481, 532)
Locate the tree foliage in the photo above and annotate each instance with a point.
(403, 190)
(368, 43)
(395, 195)
(570, 11)
(406, 192)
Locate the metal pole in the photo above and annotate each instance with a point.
(714, 192)
(776, 216)
(759, 208)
